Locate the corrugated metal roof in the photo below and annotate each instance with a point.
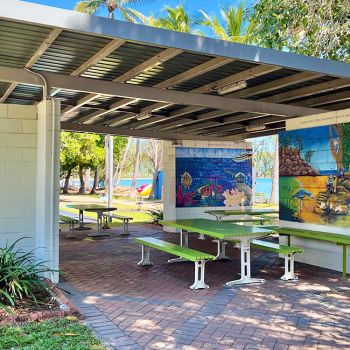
(73, 47)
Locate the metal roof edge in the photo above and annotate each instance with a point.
(23, 11)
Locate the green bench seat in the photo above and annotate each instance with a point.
(288, 253)
(199, 258)
(123, 218)
(63, 219)
(343, 240)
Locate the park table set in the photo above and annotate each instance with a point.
(98, 209)
(250, 215)
(223, 231)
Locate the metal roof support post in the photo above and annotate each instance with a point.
(110, 167)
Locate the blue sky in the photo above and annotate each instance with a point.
(153, 6)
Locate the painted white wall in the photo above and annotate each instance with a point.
(29, 154)
(169, 150)
(18, 159)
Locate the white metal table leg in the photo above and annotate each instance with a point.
(99, 231)
(221, 254)
(199, 273)
(125, 227)
(245, 266)
(145, 258)
(289, 268)
(183, 243)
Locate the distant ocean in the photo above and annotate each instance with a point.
(123, 182)
(262, 185)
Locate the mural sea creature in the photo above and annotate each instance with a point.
(186, 180)
(206, 191)
(243, 157)
(301, 194)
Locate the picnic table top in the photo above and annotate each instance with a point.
(218, 229)
(90, 207)
(319, 235)
(250, 211)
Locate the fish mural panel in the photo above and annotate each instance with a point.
(212, 177)
(314, 167)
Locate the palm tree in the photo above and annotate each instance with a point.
(93, 6)
(175, 18)
(231, 27)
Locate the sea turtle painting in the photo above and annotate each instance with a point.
(186, 180)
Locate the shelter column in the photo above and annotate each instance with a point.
(47, 186)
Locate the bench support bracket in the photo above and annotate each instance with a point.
(145, 259)
(199, 272)
(289, 268)
(221, 254)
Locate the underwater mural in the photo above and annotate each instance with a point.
(212, 177)
(314, 169)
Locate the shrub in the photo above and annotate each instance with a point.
(20, 277)
(156, 215)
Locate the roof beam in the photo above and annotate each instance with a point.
(163, 56)
(201, 117)
(297, 93)
(113, 107)
(122, 119)
(308, 90)
(153, 94)
(98, 56)
(275, 84)
(324, 100)
(187, 75)
(244, 75)
(203, 68)
(55, 32)
(101, 129)
(81, 102)
(195, 72)
(152, 62)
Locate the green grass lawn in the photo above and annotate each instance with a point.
(49, 335)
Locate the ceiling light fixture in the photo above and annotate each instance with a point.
(225, 89)
(257, 127)
(143, 115)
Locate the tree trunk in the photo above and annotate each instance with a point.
(106, 163)
(94, 186)
(136, 167)
(81, 177)
(157, 160)
(275, 174)
(126, 150)
(87, 178)
(66, 181)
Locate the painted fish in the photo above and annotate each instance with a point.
(186, 180)
(243, 157)
(206, 191)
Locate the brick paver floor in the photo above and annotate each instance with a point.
(132, 307)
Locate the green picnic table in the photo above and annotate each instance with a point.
(97, 208)
(219, 214)
(224, 231)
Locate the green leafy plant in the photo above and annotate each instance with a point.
(20, 277)
(156, 215)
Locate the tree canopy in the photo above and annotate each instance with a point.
(312, 27)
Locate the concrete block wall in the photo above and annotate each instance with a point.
(18, 169)
(169, 151)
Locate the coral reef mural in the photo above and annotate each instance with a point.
(211, 177)
(315, 175)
